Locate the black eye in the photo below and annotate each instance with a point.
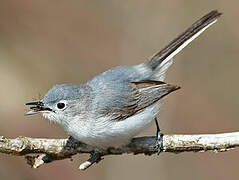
(60, 105)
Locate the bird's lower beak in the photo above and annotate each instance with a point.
(37, 107)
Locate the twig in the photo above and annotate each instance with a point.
(57, 149)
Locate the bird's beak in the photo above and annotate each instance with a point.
(37, 107)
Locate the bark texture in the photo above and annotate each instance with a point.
(49, 150)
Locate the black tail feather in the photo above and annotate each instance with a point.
(178, 42)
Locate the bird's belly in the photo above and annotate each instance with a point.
(104, 133)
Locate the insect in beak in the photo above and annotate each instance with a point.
(37, 107)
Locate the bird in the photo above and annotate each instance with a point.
(116, 105)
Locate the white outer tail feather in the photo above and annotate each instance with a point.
(180, 48)
(162, 68)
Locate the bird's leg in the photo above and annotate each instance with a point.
(95, 157)
(159, 137)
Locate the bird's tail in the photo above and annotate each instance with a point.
(160, 61)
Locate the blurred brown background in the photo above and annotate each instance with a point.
(43, 43)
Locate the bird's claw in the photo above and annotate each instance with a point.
(159, 143)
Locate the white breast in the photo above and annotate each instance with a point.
(105, 133)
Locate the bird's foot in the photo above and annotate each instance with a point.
(159, 143)
(159, 138)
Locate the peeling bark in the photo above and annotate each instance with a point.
(56, 149)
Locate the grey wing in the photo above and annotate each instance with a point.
(123, 99)
(144, 93)
(150, 92)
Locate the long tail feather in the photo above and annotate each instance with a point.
(175, 46)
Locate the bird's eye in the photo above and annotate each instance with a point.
(60, 105)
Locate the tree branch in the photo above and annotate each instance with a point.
(49, 150)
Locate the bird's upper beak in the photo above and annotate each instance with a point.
(37, 107)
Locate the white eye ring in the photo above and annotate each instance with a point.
(61, 105)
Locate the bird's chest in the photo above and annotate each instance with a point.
(104, 132)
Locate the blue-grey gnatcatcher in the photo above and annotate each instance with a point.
(113, 107)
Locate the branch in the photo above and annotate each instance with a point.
(57, 149)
